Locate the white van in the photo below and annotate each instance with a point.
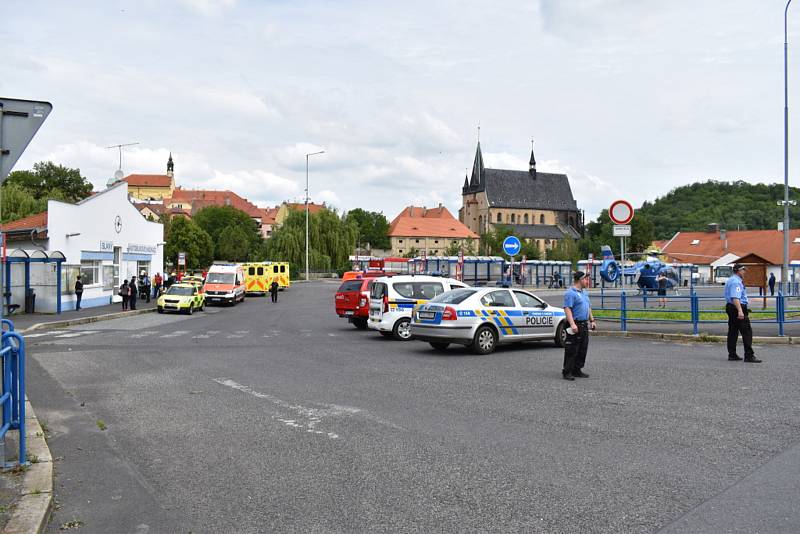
(392, 300)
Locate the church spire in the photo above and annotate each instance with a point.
(478, 170)
(532, 163)
(170, 166)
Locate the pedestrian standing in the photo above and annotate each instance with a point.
(146, 286)
(156, 284)
(578, 309)
(771, 283)
(78, 292)
(662, 290)
(133, 292)
(738, 316)
(273, 291)
(124, 292)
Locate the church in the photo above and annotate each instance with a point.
(537, 206)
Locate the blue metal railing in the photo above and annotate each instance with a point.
(780, 314)
(12, 353)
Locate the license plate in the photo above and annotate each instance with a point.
(348, 313)
(426, 315)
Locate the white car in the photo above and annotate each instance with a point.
(486, 317)
(392, 299)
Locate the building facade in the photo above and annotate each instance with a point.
(429, 232)
(538, 206)
(103, 237)
(152, 186)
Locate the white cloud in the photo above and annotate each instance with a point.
(208, 8)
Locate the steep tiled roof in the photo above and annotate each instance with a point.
(31, 222)
(269, 216)
(521, 189)
(421, 222)
(708, 246)
(148, 180)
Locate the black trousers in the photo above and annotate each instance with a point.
(738, 326)
(78, 297)
(575, 348)
(274, 295)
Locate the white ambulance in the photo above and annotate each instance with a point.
(224, 284)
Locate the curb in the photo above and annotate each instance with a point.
(32, 512)
(85, 320)
(701, 338)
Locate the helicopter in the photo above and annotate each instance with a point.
(645, 273)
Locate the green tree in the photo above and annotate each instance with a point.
(736, 205)
(565, 250)
(186, 236)
(216, 219)
(232, 244)
(331, 241)
(373, 227)
(47, 177)
(18, 203)
(412, 253)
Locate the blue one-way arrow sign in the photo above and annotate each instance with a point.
(511, 245)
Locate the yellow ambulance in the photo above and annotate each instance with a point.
(258, 276)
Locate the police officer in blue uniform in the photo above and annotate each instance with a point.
(738, 316)
(579, 320)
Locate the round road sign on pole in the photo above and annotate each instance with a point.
(511, 245)
(621, 212)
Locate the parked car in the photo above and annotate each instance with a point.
(183, 298)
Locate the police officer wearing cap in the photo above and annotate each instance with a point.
(579, 320)
(738, 316)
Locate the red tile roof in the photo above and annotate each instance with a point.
(312, 208)
(27, 223)
(421, 222)
(765, 243)
(201, 198)
(148, 180)
(269, 216)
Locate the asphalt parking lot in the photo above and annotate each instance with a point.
(284, 418)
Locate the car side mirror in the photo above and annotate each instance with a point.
(543, 305)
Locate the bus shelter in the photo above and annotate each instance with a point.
(32, 281)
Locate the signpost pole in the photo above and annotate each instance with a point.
(622, 262)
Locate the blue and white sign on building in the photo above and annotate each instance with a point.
(511, 245)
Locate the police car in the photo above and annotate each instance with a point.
(392, 299)
(486, 317)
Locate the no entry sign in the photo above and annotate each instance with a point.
(621, 212)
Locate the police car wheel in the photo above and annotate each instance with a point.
(439, 345)
(561, 335)
(485, 340)
(402, 330)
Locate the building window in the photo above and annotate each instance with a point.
(417, 240)
(436, 242)
(541, 218)
(513, 218)
(525, 218)
(400, 241)
(90, 272)
(435, 252)
(499, 217)
(401, 251)
(546, 241)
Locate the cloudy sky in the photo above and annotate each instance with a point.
(631, 98)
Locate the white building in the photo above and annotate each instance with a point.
(103, 237)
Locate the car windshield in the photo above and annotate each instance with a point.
(418, 290)
(178, 290)
(220, 278)
(456, 296)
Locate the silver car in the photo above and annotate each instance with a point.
(486, 317)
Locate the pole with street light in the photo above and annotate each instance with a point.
(307, 156)
(785, 266)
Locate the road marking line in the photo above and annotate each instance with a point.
(54, 332)
(146, 333)
(176, 333)
(77, 334)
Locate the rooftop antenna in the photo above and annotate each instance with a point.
(479, 131)
(118, 173)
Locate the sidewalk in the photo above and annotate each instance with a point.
(24, 321)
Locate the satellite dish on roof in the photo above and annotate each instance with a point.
(119, 175)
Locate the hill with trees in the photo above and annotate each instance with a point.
(733, 205)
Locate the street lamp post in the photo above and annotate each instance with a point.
(785, 266)
(307, 156)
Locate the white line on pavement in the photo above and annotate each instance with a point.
(176, 333)
(76, 334)
(146, 333)
(52, 333)
(305, 417)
